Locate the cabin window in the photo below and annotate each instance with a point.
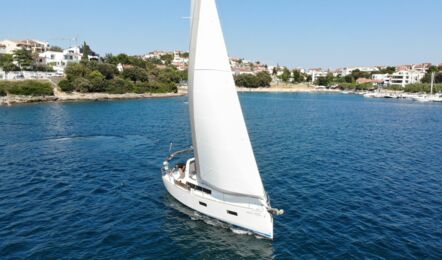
(232, 213)
(198, 188)
(203, 204)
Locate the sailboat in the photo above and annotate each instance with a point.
(432, 97)
(221, 179)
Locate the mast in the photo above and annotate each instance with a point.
(432, 82)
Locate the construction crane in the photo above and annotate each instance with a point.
(72, 40)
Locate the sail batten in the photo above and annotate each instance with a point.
(223, 152)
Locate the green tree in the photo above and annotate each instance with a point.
(82, 85)
(24, 58)
(246, 80)
(437, 77)
(184, 55)
(86, 50)
(357, 74)
(169, 75)
(76, 70)
(135, 74)
(263, 79)
(97, 80)
(66, 86)
(286, 74)
(167, 58)
(297, 76)
(349, 79)
(388, 70)
(55, 48)
(325, 81)
(275, 71)
(432, 69)
(107, 70)
(7, 63)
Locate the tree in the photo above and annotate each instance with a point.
(169, 75)
(275, 71)
(349, 79)
(86, 50)
(107, 70)
(437, 77)
(246, 80)
(325, 81)
(82, 85)
(432, 69)
(136, 74)
(389, 70)
(297, 76)
(286, 74)
(24, 58)
(55, 48)
(167, 58)
(184, 55)
(263, 79)
(360, 74)
(7, 63)
(97, 81)
(111, 59)
(76, 70)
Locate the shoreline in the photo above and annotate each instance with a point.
(60, 96)
(78, 97)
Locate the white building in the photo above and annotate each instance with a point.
(403, 78)
(384, 78)
(59, 60)
(54, 59)
(316, 73)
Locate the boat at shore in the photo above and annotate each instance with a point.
(419, 97)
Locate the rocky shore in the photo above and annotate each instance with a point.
(66, 97)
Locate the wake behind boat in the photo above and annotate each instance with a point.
(222, 180)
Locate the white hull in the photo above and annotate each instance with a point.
(235, 210)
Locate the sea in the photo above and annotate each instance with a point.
(358, 178)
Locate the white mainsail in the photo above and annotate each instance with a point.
(223, 152)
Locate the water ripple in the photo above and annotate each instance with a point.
(357, 178)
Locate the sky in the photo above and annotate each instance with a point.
(294, 33)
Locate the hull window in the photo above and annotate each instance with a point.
(203, 204)
(232, 213)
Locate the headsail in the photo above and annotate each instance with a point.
(222, 147)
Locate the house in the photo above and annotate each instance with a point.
(348, 70)
(382, 79)
(406, 77)
(59, 60)
(373, 81)
(423, 67)
(35, 46)
(9, 46)
(53, 58)
(315, 73)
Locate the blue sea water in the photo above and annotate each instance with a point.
(357, 178)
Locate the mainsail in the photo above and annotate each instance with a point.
(223, 152)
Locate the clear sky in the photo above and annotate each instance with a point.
(304, 33)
